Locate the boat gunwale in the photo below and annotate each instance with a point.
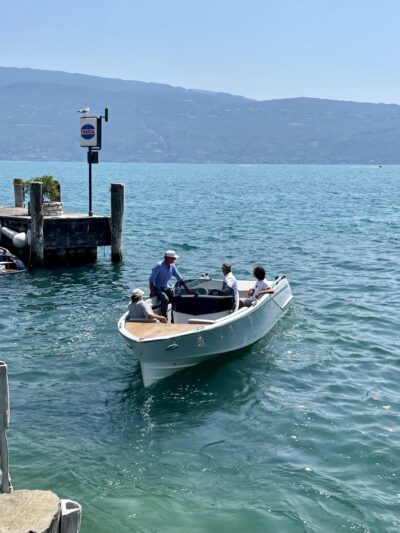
(223, 321)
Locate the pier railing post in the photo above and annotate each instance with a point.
(5, 485)
(117, 217)
(19, 192)
(37, 239)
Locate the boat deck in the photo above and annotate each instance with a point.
(151, 330)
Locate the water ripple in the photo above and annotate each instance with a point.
(299, 433)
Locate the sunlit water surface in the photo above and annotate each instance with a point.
(298, 434)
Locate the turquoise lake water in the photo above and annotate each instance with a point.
(298, 434)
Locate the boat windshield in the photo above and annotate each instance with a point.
(204, 298)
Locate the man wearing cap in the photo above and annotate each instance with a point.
(159, 278)
(139, 310)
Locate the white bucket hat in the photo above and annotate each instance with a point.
(171, 253)
(137, 293)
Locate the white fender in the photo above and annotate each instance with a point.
(20, 240)
(8, 232)
(71, 513)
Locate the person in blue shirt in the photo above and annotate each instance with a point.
(159, 278)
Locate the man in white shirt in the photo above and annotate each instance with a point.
(229, 280)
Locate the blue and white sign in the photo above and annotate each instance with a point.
(90, 132)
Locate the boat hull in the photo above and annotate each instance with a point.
(162, 357)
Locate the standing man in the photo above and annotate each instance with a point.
(159, 278)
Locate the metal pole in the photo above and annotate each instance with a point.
(90, 180)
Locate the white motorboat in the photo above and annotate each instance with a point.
(206, 323)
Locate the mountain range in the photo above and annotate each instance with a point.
(152, 122)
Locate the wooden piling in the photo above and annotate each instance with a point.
(5, 485)
(19, 192)
(117, 217)
(37, 220)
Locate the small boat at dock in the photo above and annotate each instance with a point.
(206, 323)
(10, 263)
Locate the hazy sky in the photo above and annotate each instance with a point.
(263, 49)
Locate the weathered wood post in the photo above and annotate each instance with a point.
(37, 240)
(117, 218)
(19, 192)
(5, 485)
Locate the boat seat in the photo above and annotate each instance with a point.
(200, 290)
(200, 321)
(235, 307)
(202, 304)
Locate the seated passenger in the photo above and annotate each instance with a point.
(140, 310)
(229, 284)
(260, 288)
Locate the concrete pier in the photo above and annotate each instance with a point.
(27, 511)
(70, 238)
(61, 237)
